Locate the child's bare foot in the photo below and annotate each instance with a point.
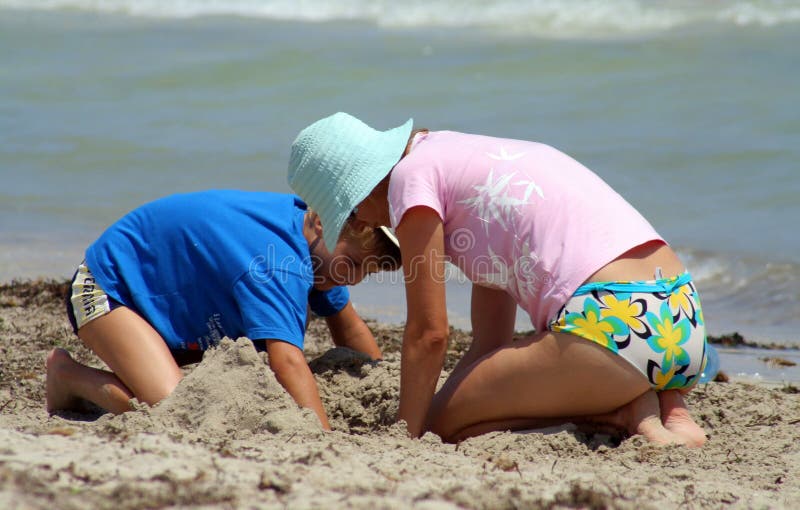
(676, 418)
(59, 397)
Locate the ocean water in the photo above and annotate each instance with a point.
(690, 110)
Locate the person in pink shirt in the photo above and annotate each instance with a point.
(620, 336)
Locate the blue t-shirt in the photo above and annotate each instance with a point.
(200, 266)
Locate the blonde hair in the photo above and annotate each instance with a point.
(380, 253)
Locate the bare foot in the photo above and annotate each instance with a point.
(642, 416)
(676, 418)
(59, 397)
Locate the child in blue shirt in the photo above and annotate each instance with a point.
(174, 276)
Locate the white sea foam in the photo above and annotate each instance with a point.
(542, 18)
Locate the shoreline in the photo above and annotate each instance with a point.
(27, 289)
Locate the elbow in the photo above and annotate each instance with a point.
(436, 340)
(285, 365)
(431, 341)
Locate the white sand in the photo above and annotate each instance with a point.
(230, 437)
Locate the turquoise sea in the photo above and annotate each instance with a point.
(691, 110)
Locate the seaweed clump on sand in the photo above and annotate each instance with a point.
(737, 340)
(38, 292)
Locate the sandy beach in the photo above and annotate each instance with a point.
(230, 437)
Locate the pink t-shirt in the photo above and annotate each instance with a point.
(518, 216)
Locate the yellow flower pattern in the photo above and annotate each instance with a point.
(663, 322)
(624, 309)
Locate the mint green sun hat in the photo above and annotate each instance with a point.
(337, 161)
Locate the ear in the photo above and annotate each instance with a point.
(317, 225)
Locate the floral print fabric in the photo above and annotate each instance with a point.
(655, 325)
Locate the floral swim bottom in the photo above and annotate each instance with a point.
(656, 325)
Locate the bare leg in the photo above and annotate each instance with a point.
(69, 381)
(638, 417)
(549, 376)
(676, 418)
(509, 424)
(140, 362)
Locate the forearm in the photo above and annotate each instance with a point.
(293, 373)
(303, 389)
(349, 330)
(421, 235)
(420, 367)
(361, 339)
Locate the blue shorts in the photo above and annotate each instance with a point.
(655, 325)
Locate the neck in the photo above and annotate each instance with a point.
(380, 197)
(313, 244)
(313, 238)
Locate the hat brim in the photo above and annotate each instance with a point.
(334, 215)
(389, 234)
